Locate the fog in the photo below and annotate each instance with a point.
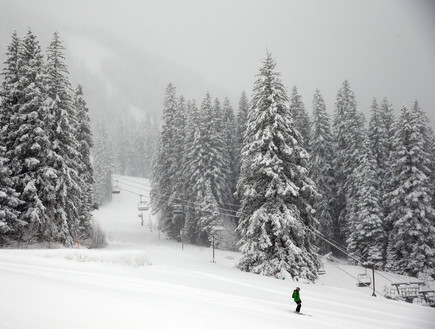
(134, 48)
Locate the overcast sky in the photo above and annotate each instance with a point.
(383, 47)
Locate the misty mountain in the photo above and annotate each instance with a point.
(117, 76)
(120, 77)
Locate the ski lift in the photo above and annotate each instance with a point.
(364, 280)
(142, 205)
(321, 270)
(115, 188)
(177, 212)
(177, 209)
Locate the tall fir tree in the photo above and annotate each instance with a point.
(212, 169)
(349, 136)
(10, 91)
(83, 135)
(10, 94)
(276, 194)
(179, 138)
(321, 166)
(102, 164)
(229, 141)
(66, 158)
(411, 217)
(241, 121)
(367, 236)
(161, 182)
(300, 117)
(10, 225)
(30, 148)
(193, 165)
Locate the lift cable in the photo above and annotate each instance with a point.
(313, 230)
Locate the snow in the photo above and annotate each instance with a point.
(141, 281)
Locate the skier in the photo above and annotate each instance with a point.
(297, 299)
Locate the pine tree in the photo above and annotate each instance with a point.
(367, 236)
(192, 164)
(411, 244)
(275, 191)
(210, 220)
(387, 122)
(348, 127)
(66, 158)
(179, 138)
(151, 135)
(228, 237)
(161, 182)
(300, 117)
(379, 135)
(321, 166)
(10, 94)
(208, 167)
(10, 224)
(29, 149)
(229, 142)
(10, 91)
(242, 119)
(217, 161)
(85, 171)
(102, 164)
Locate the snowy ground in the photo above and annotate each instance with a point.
(141, 281)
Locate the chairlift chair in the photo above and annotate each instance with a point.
(364, 280)
(321, 270)
(142, 205)
(177, 212)
(115, 188)
(177, 209)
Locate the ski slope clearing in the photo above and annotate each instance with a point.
(141, 281)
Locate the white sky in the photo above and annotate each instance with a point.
(384, 48)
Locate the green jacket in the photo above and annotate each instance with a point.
(296, 296)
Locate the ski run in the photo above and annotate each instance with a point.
(141, 280)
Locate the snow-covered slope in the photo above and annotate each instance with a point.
(141, 281)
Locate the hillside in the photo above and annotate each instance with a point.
(143, 281)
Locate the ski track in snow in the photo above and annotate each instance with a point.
(142, 281)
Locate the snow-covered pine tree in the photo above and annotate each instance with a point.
(10, 93)
(229, 141)
(300, 117)
(227, 237)
(348, 128)
(192, 159)
(387, 115)
(217, 161)
(387, 118)
(367, 236)
(321, 167)
(210, 220)
(179, 140)
(102, 164)
(411, 239)
(161, 182)
(10, 225)
(242, 119)
(211, 165)
(30, 148)
(151, 135)
(64, 145)
(85, 171)
(380, 143)
(277, 196)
